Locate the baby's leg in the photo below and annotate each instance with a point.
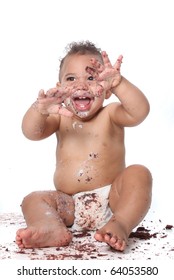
(129, 199)
(47, 214)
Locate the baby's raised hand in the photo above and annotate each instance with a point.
(106, 75)
(51, 102)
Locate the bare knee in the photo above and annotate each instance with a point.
(140, 173)
(137, 179)
(62, 203)
(139, 168)
(34, 198)
(134, 181)
(134, 176)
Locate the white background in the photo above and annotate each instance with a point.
(33, 36)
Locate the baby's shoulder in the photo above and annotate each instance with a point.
(109, 108)
(108, 111)
(112, 105)
(113, 112)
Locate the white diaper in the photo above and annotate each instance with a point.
(91, 209)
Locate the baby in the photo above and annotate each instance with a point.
(94, 190)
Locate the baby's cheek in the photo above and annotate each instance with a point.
(96, 89)
(99, 91)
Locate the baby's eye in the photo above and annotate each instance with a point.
(91, 78)
(70, 79)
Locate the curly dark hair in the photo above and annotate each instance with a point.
(82, 47)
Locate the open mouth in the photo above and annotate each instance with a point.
(82, 103)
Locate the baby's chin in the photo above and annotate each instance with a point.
(82, 114)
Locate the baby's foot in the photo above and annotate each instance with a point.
(37, 237)
(114, 234)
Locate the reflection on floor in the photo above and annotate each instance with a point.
(151, 240)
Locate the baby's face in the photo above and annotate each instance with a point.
(87, 96)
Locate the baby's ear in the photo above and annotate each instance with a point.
(108, 94)
(58, 84)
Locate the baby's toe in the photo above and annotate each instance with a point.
(119, 245)
(98, 236)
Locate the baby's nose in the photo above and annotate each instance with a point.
(82, 85)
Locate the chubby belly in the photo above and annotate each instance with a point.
(72, 176)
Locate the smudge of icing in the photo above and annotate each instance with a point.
(87, 169)
(80, 173)
(82, 114)
(48, 213)
(77, 125)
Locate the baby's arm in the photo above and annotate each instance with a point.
(42, 118)
(134, 105)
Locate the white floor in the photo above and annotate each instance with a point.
(159, 246)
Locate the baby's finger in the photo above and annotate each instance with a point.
(91, 71)
(67, 91)
(97, 65)
(52, 92)
(106, 59)
(118, 63)
(41, 94)
(64, 112)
